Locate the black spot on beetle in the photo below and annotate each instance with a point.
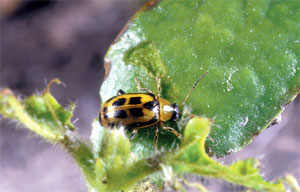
(104, 109)
(151, 105)
(136, 112)
(120, 114)
(105, 116)
(119, 102)
(135, 100)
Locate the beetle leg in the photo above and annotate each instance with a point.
(120, 92)
(134, 133)
(156, 136)
(158, 80)
(171, 130)
(141, 89)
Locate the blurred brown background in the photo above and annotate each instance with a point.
(41, 40)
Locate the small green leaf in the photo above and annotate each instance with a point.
(117, 168)
(250, 49)
(40, 113)
(192, 158)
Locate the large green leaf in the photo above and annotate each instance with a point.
(250, 49)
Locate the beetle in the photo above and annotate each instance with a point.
(141, 110)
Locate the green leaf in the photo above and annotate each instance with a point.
(40, 113)
(192, 158)
(43, 115)
(116, 167)
(250, 49)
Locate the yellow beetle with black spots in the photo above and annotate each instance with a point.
(140, 110)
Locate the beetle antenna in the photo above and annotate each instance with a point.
(187, 96)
